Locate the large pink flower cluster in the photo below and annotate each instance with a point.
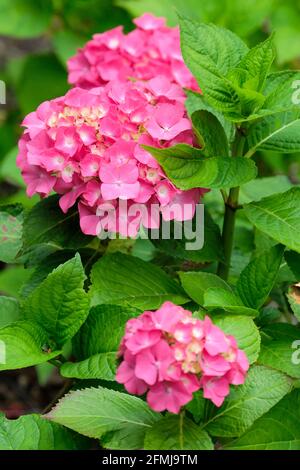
(86, 146)
(170, 354)
(151, 49)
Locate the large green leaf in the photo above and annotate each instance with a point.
(278, 349)
(276, 430)
(210, 52)
(196, 101)
(99, 413)
(262, 187)
(192, 237)
(279, 217)
(293, 261)
(11, 221)
(60, 304)
(102, 331)
(278, 132)
(46, 226)
(32, 432)
(257, 279)
(66, 43)
(175, 433)
(9, 310)
(97, 342)
(216, 298)
(280, 87)
(24, 19)
(42, 78)
(100, 366)
(9, 170)
(12, 279)
(252, 70)
(262, 390)
(44, 268)
(196, 284)
(125, 280)
(24, 344)
(197, 407)
(210, 133)
(244, 330)
(187, 168)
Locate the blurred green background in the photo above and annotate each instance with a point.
(37, 36)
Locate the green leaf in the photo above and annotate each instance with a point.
(280, 88)
(48, 227)
(244, 330)
(66, 44)
(252, 70)
(9, 310)
(186, 167)
(278, 216)
(125, 280)
(218, 298)
(99, 412)
(102, 331)
(246, 403)
(262, 187)
(197, 283)
(293, 261)
(197, 407)
(43, 78)
(44, 268)
(196, 101)
(11, 220)
(169, 433)
(60, 304)
(257, 279)
(278, 352)
(210, 134)
(32, 432)
(100, 366)
(24, 344)
(276, 430)
(278, 132)
(9, 170)
(281, 331)
(210, 52)
(177, 248)
(12, 278)
(97, 343)
(24, 19)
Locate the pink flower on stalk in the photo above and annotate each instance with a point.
(87, 147)
(169, 355)
(151, 50)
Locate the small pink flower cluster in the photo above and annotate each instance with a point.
(151, 49)
(170, 354)
(86, 146)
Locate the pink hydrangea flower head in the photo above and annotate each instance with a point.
(169, 354)
(87, 147)
(151, 50)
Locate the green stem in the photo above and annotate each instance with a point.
(231, 206)
(58, 361)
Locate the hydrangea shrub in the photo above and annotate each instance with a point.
(201, 346)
